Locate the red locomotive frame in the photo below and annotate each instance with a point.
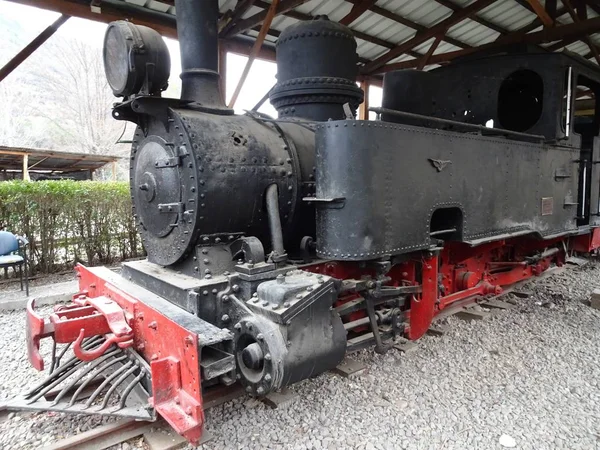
(461, 272)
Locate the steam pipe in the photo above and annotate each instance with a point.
(272, 200)
(199, 45)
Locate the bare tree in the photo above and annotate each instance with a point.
(76, 98)
(17, 118)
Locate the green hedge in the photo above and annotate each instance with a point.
(69, 221)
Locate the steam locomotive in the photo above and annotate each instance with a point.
(276, 246)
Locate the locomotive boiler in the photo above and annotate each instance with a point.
(276, 246)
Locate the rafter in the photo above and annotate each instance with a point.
(258, 18)
(572, 30)
(541, 12)
(594, 5)
(480, 20)
(551, 8)
(235, 15)
(359, 34)
(357, 10)
(409, 23)
(255, 50)
(425, 59)
(32, 46)
(581, 9)
(437, 30)
(577, 19)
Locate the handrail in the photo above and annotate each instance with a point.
(481, 128)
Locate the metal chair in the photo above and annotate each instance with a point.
(13, 253)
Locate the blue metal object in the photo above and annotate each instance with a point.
(13, 254)
(9, 243)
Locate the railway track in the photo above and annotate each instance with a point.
(159, 436)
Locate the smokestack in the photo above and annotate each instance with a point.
(199, 44)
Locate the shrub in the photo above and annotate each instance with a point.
(69, 221)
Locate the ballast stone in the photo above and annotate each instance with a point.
(595, 299)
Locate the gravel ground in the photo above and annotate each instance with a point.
(527, 378)
(13, 284)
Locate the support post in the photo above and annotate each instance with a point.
(114, 171)
(26, 167)
(255, 49)
(32, 47)
(425, 59)
(363, 109)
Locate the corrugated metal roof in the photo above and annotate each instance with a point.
(508, 15)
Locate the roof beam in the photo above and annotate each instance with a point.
(594, 5)
(258, 18)
(551, 8)
(234, 16)
(36, 43)
(581, 9)
(357, 10)
(425, 59)
(162, 23)
(165, 27)
(572, 30)
(359, 34)
(577, 19)
(409, 23)
(541, 12)
(535, 23)
(437, 30)
(480, 20)
(255, 49)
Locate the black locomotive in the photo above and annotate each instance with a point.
(287, 242)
